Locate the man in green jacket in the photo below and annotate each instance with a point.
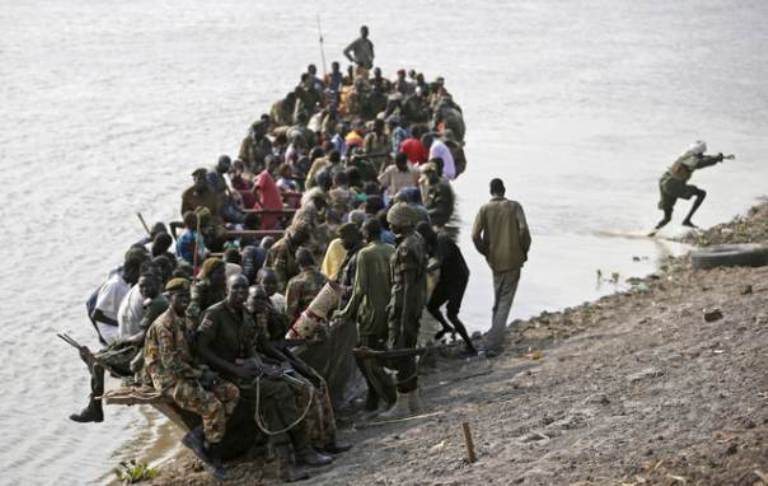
(501, 234)
(368, 306)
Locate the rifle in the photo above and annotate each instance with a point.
(368, 353)
(85, 353)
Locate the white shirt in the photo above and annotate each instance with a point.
(278, 302)
(130, 313)
(108, 301)
(232, 269)
(441, 150)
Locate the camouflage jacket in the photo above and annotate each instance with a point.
(167, 354)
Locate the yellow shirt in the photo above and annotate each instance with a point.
(334, 257)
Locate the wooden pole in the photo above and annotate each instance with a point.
(144, 224)
(468, 442)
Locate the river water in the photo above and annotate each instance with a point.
(107, 107)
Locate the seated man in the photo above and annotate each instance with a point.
(200, 194)
(189, 242)
(117, 357)
(268, 280)
(209, 288)
(111, 293)
(281, 255)
(305, 286)
(171, 369)
(320, 422)
(230, 342)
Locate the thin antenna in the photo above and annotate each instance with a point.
(322, 47)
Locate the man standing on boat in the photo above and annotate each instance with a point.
(360, 52)
(500, 233)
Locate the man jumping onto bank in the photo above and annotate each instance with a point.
(674, 183)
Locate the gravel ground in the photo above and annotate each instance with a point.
(649, 386)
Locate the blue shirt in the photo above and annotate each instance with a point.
(387, 237)
(339, 144)
(185, 245)
(398, 136)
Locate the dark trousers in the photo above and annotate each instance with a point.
(407, 375)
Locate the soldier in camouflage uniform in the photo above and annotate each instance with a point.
(305, 286)
(117, 357)
(236, 346)
(281, 257)
(673, 185)
(409, 293)
(171, 369)
(210, 288)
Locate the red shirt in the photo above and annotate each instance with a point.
(415, 151)
(269, 198)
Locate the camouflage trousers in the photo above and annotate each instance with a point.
(320, 422)
(284, 400)
(213, 406)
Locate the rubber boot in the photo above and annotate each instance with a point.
(371, 401)
(194, 440)
(91, 413)
(94, 411)
(399, 410)
(305, 453)
(216, 469)
(335, 447)
(310, 457)
(414, 402)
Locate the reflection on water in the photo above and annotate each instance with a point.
(108, 106)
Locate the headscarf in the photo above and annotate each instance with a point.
(698, 147)
(688, 158)
(403, 214)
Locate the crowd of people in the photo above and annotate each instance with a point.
(344, 190)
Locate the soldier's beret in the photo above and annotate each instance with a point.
(177, 284)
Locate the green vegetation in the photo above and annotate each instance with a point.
(134, 472)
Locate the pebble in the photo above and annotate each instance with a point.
(712, 315)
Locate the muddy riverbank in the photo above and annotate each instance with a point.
(638, 388)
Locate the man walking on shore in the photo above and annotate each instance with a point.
(500, 233)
